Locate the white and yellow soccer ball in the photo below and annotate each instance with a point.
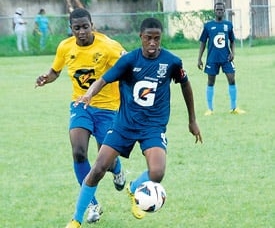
(150, 196)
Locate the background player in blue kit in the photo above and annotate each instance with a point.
(144, 75)
(221, 51)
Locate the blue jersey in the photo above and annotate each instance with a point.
(218, 34)
(43, 22)
(145, 88)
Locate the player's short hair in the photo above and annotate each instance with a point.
(42, 11)
(219, 4)
(78, 13)
(150, 23)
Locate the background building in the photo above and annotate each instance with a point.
(250, 17)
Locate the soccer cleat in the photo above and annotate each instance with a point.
(119, 180)
(209, 112)
(237, 111)
(73, 224)
(94, 212)
(136, 211)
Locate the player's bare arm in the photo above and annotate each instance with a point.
(43, 79)
(232, 51)
(189, 101)
(92, 91)
(194, 129)
(202, 48)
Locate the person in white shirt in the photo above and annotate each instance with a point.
(19, 25)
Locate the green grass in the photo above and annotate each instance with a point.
(228, 181)
(8, 45)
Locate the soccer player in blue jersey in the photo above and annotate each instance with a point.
(221, 50)
(144, 77)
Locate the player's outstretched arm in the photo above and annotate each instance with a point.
(92, 91)
(189, 101)
(46, 78)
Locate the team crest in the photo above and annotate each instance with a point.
(96, 57)
(225, 28)
(162, 70)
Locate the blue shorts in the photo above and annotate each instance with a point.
(123, 141)
(214, 68)
(97, 121)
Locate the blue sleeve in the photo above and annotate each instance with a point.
(204, 34)
(118, 70)
(179, 74)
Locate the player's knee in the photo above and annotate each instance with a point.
(98, 172)
(94, 176)
(79, 155)
(211, 82)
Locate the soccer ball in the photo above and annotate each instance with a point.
(150, 196)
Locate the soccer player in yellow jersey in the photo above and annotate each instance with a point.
(88, 55)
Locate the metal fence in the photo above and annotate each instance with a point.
(260, 23)
(60, 23)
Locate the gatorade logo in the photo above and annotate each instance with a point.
(219, 41)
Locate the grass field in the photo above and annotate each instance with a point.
(228, 181)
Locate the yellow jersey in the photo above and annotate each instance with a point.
(89, 63)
